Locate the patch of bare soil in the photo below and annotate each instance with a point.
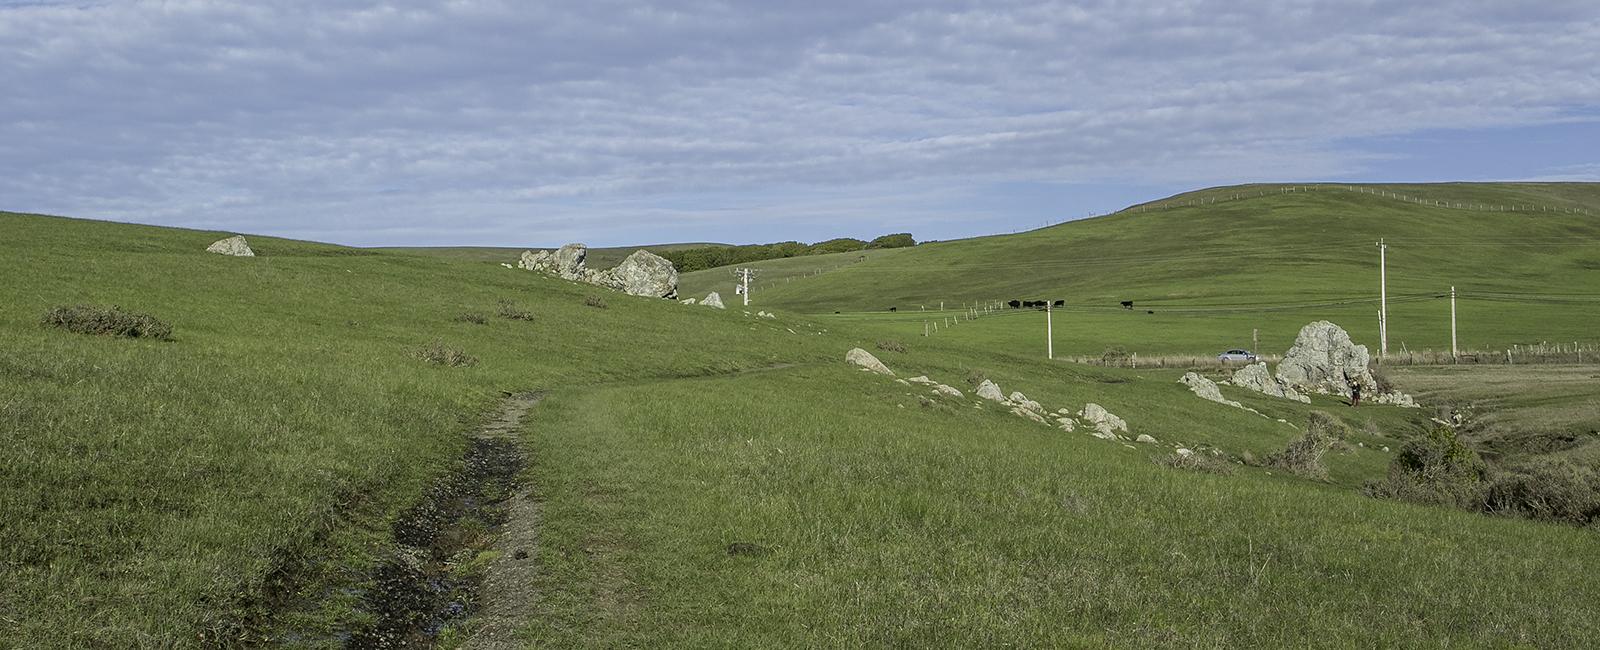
(444, 568)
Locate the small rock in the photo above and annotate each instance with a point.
(1025, 413)
(1185, 452)
(948, 391)
(990, 391)
(923, 379)
(1145, 438)
(1206, 389)
(865, 359)
(713, 300)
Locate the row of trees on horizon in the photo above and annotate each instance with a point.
(707, 257)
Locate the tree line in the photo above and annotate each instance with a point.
(707, 257)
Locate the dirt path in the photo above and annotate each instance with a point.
(507, 594)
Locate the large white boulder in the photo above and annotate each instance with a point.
(863, 358)
(235, 246)
(646, 274)
(568, 262)
(537, 261)
(1325, 360)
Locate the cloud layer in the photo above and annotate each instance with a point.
(503, 122)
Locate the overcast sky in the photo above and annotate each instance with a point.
(537, 123)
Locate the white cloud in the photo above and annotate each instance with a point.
(443, 122)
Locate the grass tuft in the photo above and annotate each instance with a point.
(439, 354)
(509, 310)
(891, 345)
(1196, 462)
(594, 301)
(472, 317)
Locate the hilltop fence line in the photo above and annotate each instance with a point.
(1537, 354)
(1438, 203)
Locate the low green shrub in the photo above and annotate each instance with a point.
(474, 318)
(892, 346)
(1436, 468)
(595, 301)
(107, 321)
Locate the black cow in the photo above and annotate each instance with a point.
(1127, 304)
(1014, 304)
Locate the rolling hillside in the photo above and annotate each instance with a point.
(1236, 259)
(700, 477)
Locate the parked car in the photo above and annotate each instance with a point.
(1244, 356)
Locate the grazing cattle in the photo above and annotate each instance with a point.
(894, 309)
(1127, 304)
(1059, 303)
(1014, 304)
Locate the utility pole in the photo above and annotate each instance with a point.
(1049, 334)
(1383, 300)
(1454, 354)
(744, 275)
(1255, 340)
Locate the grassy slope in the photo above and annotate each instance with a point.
(1277, 249)
(155, 485)
(152, 482)
(600, 258)
(952, 527)
(1519, 410)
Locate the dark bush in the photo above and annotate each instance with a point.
(1551, 490)
(1436, 468)
(510, 310)
(892, 346)
(896, 240)
(107, 321)
(439, 354)
(595, 301)
(474, 318)
(1304, 455)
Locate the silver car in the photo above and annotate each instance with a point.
(1244, 356)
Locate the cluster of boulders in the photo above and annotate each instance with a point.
(235, 246)
(642, 274)
(1093, 418)
(1323, 360)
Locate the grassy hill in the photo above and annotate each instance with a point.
(240, 483)
(1230, 260)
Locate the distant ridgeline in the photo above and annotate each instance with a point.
(696, 259)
